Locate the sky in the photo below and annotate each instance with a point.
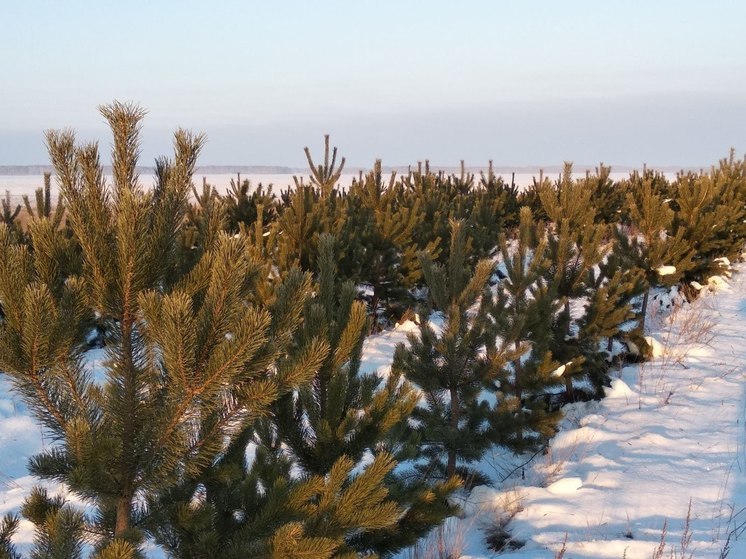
(519, 82)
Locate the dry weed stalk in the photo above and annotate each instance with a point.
(561, 553)
(682, 550)
(447, 541)
(684, 329)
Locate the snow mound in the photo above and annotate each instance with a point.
(565, 486)
(716, 283)
(619, 389)
(666, 270)
(657, 348)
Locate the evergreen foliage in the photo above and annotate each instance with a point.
(9, 215)
(344, 414)
(245, 204)
(309, 211)
(448, 366)
(654, 246)
(261, 510)
(576, 246)
(188, 361)
(606, 197)
(522, 313)
(711, 217)
(502, 199)
(381, 253)
(44, 208)
(324, 176)
(205, 220)
(230, 416)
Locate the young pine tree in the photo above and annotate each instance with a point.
(522, 311)
(379, 226)
(344, 414)
(448, 366)
(44, 206)
(10, 214)
(711, 217)
(308, 211)
(246, 204)
(576, 245)
(188, 361)
(662, 256)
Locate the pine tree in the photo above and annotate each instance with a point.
(258, 508)
(530, 196)
(325, 176)
(576, 246)
(8, 528)
(44, 204)
(261, 242)
(448, 367)
(711, 217)
(205, 220)
(608, 309)
(494, 188)
(381, 251)
(425, 189)
(58, 529)
(607, 197)
(522, 312)
(188, 361)
(307, 211)
(9, 215)
(245, 205)
(661, 255)
(344, 414)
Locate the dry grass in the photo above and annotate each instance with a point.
(685, 329)
(447, 541)
(497, 534)
(682, 550)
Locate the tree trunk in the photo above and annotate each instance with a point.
(644, 312)
(124, 515)
(451, 466)
(374, 310)
(127, 456)
(569, 391)
(519, 392)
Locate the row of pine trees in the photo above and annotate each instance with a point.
(231, 417)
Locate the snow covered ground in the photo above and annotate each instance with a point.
(663, 456)
(659, 466)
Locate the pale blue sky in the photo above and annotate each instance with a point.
(517, 82)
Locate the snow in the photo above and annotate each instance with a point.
(619, 389)
(670, 432)
(565, 486)
(666, 270)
